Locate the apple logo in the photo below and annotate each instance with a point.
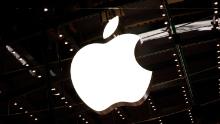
(107, 75)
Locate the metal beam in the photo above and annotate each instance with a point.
(178, 48)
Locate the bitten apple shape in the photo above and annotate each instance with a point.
(107, 75)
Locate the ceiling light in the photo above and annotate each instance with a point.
(71, 50)
(62, 98)
(45, 9)
(52, 73)
(16, 55)
(169, 37)
(31, 115)
(161, 6)
(35, 119)
(215, 3)
(216, 12)
(60, 35)
(165, 22)
(27, 65)
(9, 48)
(20, 108)
(57, 94)
(66, 42)
(39, 76)
(15, 103)
(23, 62)
(33, 71)
(53, 89)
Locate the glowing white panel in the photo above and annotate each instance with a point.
(107, 74)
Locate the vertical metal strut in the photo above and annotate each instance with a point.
(179, 50)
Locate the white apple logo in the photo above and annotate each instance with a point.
(107, 75)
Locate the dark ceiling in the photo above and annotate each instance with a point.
(182, 92)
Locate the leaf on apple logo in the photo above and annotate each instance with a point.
(111, 27)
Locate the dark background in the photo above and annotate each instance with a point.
(26, 96)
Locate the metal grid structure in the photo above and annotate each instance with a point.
(35, 84)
